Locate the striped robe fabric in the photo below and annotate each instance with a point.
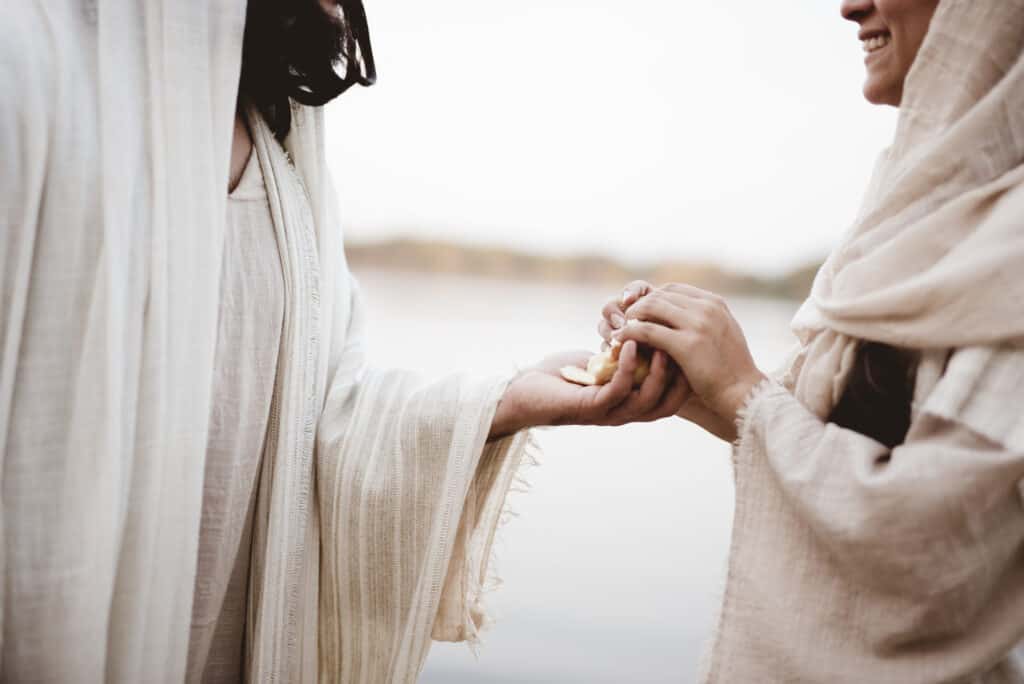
(378, 496)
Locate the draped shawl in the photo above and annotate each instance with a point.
(933, 259)
(378, 497)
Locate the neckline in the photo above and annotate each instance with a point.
(250, 185)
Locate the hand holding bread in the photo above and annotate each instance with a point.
(602, 366)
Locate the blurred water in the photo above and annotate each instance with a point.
(613, 568)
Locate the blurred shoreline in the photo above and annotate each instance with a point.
(449, 258)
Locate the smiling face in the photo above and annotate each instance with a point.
(892, 32)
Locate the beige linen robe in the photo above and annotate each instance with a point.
(854, 563)
(377, 500)
(851, 562)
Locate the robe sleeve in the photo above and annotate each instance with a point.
(924, 519)
(410, 494)
(462, 612)
(847, 553)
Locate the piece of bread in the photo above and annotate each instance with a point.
(601, 368)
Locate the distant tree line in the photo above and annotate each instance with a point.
(495, 262)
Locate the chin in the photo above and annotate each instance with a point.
(882, 93)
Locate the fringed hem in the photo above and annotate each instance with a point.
(753, 398)
(524, 455)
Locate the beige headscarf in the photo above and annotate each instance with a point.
(934, 259)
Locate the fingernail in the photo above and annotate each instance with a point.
(618, 321)
(625, 296)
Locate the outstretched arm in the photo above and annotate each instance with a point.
(539, 396)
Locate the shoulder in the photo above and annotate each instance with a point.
(982, 388)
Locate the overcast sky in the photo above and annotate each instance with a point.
(732, 131)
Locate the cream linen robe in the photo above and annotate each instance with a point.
(377, 503)
(851, 562)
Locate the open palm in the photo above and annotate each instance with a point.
(552, 400)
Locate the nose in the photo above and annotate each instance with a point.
(856, 10)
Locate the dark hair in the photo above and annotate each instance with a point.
(291, 51)
(878, 396)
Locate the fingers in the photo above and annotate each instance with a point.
(612, 313)
(644, 400)
(658, 308)
(634, 291)
(680, 293)
(651, 334)
(681, 309)
(654, 385)
(620, 386)
(673, 399)
(691, 291)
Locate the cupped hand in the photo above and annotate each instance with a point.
(540, 396)
(698, 331)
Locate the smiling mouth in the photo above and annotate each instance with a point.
(876, 43)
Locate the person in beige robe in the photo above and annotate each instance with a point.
(879, 524)
(201, 478)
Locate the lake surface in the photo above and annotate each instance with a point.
(613, 567)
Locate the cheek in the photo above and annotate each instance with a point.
(908, 20)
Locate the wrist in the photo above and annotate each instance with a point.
(736, 397)
(696, 412)
(513, 413)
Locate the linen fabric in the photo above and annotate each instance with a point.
(116, 138)
(851, 562)
(245, 366)
(401, 514)
(377, 498)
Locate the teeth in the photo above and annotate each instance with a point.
(877, 43)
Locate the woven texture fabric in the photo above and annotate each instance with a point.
(112, 209)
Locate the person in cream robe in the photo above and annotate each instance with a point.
(377, 495)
